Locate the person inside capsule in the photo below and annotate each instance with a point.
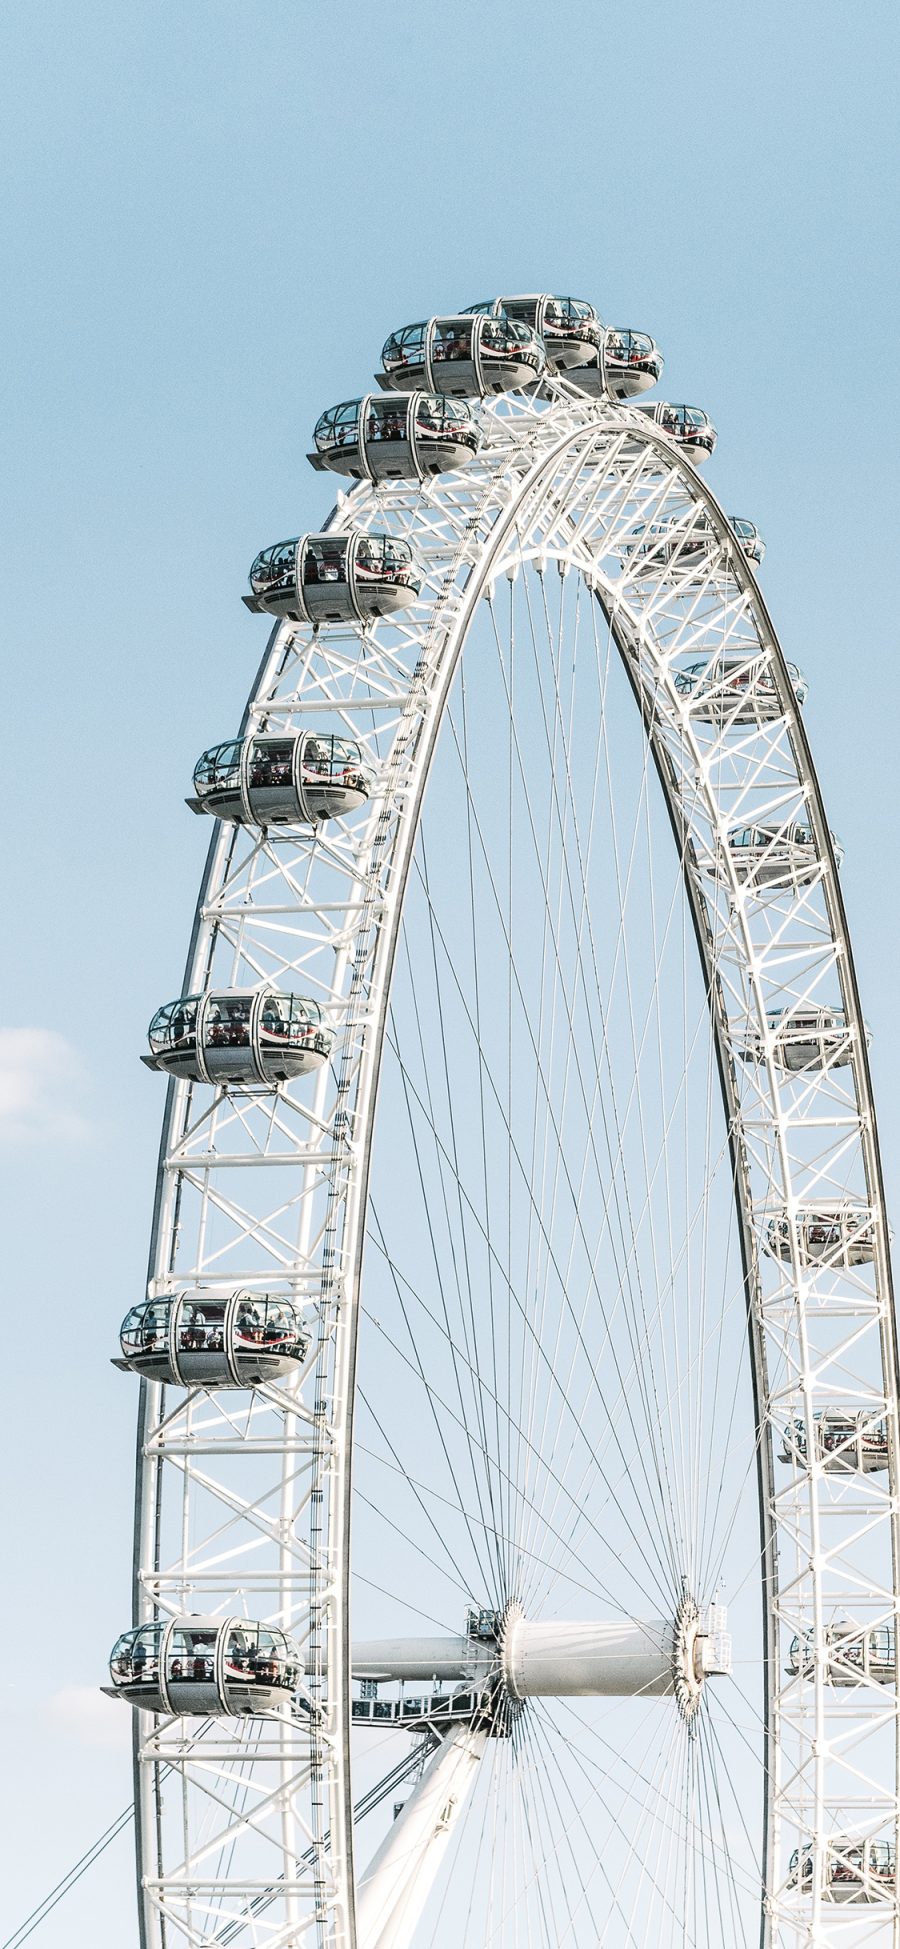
(325, 561)
(270, 764)
(228, 1023)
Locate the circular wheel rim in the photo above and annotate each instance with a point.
(558, 480)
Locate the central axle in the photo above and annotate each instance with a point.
(527, 1659)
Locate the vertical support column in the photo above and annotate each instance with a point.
(400, 1877)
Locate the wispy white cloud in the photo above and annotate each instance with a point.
(41, 1081)
(85, 1714)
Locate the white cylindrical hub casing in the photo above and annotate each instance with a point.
(559, 1660)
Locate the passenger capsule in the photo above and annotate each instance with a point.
(239, 1036)
(282, 777)
(466, 356)
(853, 1654)
(833, 1236)
(205, 1339)
(749, 537)
(845, 1441)
(334, 578)
(777, 856)
(201, 1666)
(670, 543)
(853, 1870)
(627, 363)
(688, 426)
(736, 689)
(568, 328)
(804, 1039)
(398, 436)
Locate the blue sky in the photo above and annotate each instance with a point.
(213, 215)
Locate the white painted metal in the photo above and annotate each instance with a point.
(558, 1661)
(396, 1886)
(270, 1191)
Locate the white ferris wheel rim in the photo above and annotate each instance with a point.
(523, 501)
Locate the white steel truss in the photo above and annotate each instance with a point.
(245, 1828)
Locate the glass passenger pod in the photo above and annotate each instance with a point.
(853, 1870)
(848, 1441)
(334, 578)
(749, 538)
(853, 1655)
(626, 364)
(569, 328)
(201, 1339)
(278, 778)
(736, 689)
(467, 356)
(194, 1666)
(804, 1039)
(239, 1036)
(656, 543)
(400, 436)
(773, 856)
(836, 1236)
(633, 362)
(688, 426)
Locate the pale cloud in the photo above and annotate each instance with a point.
(85, 1714)
(41, 1080)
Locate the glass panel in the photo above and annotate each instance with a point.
(397, 555)
(218, 766)
(271, 762)
(146, 1328)
(436, 416)
(271, 1323)
(135, 1657)
(274, 566)
(228, 1022)
(452, 339)
(191, 1656)
(201, 1327)
(174, 1027)
(523, 310)
(289, 1020)
(338, 426)
(406, 347)
(505, 335)
(386, 419)
(325, 559)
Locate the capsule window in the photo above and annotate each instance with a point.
(406, 347)
(219, 766)
(272, 1324)
(271, 763)
(174, 1026)
(386, 419)
(273, 567)
(201, 1327)
(437, 415)
(523, 310)
(191, 1656)
(228, 1022)
(288, 1019)
(337, 427)
(146, 1329)
(325, 560)
(452, 340)
(135, 1657)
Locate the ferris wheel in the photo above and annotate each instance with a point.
(519, 1192)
